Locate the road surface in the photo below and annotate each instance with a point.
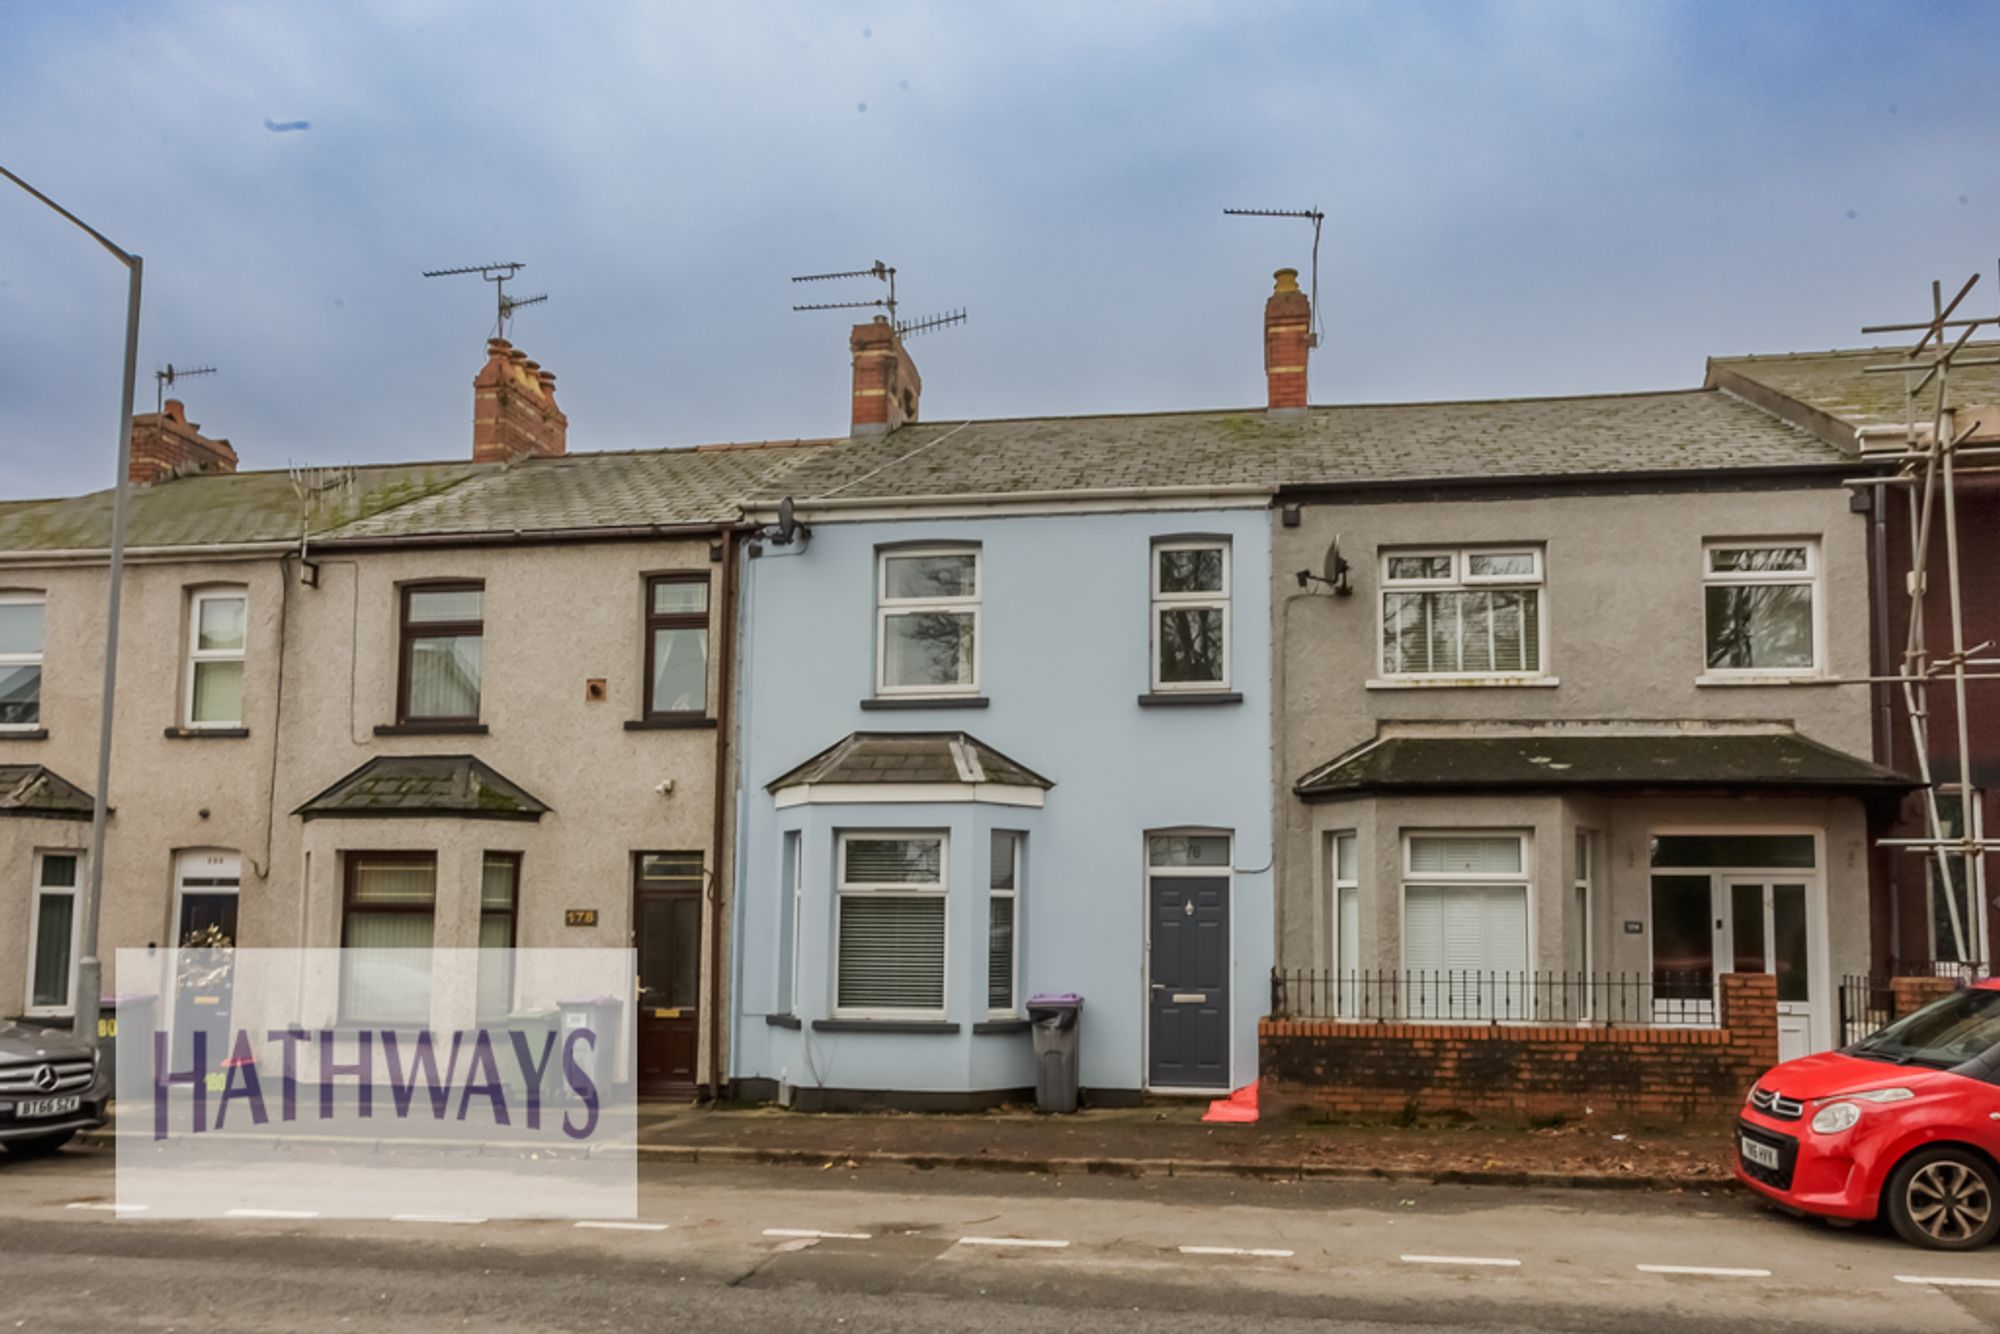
(789, 1248)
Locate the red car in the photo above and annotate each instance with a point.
(1903, 1125)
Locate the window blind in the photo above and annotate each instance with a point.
(1461, 855)
(891, 952)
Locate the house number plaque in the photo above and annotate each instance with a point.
(580, 917)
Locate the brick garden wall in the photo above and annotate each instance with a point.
(1320, 1067)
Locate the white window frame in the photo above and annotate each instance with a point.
(1162, 601)
(34, 659)
(1346, 980)
(1809, 577)
(197, 654)
(1524, 880)
(791, 856)
(35, 896)
(1587, 861)
(843, 889)
(885, 607)
(1461, 578)
(1016, 840)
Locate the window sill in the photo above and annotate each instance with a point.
(941, 1026)
(926, 702)
(1768, 679)
(689, 724)
(992, 1026)
(783, 1020)
(1460, 682)
(24, 734)
(207, 733)
(430, 729)
(1161, 699)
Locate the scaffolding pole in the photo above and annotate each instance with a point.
(1927, 473)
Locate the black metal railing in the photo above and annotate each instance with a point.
(1634, 999)
(1868, 1001)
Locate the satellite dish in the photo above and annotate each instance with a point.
(1334, 571)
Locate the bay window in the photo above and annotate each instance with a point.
(1003, 920)
(1465, 925)
(891, 936)
(52, 934)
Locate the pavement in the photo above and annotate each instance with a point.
(729, 1247)
(1170, 1139)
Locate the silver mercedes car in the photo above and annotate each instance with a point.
(51, 1086)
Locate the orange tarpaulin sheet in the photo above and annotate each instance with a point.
(1239, 1108)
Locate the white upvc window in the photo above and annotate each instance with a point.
(218, 633)
(21, 661)
(1003, 936)
(1191, 614)
(1762, 608)
(889, 955)
(1346, 922)
(927, 621)
(1473, 612)
(791, 869)
(52, 932)
(1465, 925)
(1579, 949)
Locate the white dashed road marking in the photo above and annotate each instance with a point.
(814, 1234)
(111, 1208)
(1922, 1281)
(270, 1213)
(432, 1218)
(1460, 1260)
(1042, 1242)
(613, 1225)
(1704, 1271)
(1260, 1253)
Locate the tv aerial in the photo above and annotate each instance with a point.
(885, 273)
(1315, 217)
(499, 273)
(163, 379)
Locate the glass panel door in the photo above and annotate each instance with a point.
(1683, 938)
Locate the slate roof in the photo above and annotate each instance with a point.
(392, 786)
(1761, 761)
(224, 508)
(910, 757)
(1836, 384)
(34, 790)
(1679, 430)
(605, 490)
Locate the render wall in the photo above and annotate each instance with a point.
(1064, 658)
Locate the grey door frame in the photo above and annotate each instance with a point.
(1148, 873)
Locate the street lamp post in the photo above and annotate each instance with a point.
(90, 969)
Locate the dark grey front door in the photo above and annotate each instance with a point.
(1189, 976)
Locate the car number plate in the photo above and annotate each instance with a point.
(1761, 1154)
(35, 1107)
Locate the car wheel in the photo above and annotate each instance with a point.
(41, 1145)
(1944, 1199)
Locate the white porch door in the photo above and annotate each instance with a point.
(1769, 928)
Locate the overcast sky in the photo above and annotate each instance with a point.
(1520, 199)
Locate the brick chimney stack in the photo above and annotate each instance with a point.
(514, 412)
(1287, 342)
(886, 383)
(166, 445)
